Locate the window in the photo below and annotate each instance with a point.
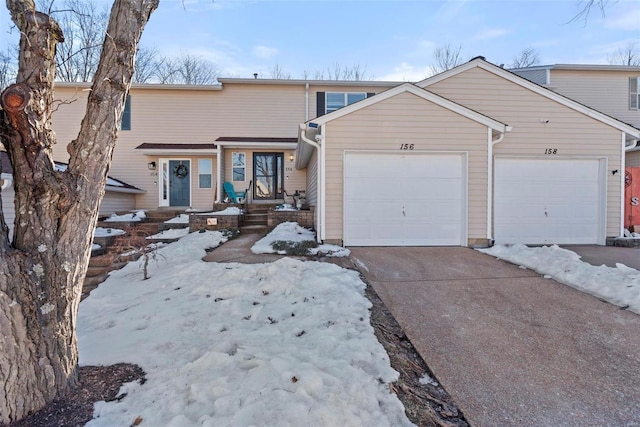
(337, 100)
(634, 96)
(204, 173)
(126, 115)
(238, 161)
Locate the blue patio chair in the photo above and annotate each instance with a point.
(234, 196)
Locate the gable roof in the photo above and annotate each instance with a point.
(540, 90)
(422, 93)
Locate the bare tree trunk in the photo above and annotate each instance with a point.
(42, 270)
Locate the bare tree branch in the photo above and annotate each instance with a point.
(526, 58)
(446, 57)
(629, 55)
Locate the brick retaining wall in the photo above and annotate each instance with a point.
(303, 217)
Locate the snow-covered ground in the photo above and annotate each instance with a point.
(180, 219)
(282, 344)
(232, 210)
(620, 285)
(292, 232)
(174, 233)
(130, 217)
(106, 232)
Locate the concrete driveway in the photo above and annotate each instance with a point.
(511, 347)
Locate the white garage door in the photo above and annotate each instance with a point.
(540, 201)
(404, 199)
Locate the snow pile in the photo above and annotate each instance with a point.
(228, 211)
(106, 232)
(130, 217)
(286, 207)
(174, 233)
(286, 343)
(292, 232)
(95, 247)
(180, 219)
(620, 285)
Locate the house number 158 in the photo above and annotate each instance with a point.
(406, 146)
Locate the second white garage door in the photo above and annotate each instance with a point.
(543, 201)
(413, 199)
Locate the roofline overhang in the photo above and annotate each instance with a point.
(116, 189)
(293, 82)
(145, 86)
(175, 152)
(258, 145)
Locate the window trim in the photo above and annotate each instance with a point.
(210, 173)
(234, 167)
(345, 96)
(634, 96)
(125, 122)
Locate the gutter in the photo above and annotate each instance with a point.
(491, 143)
(319, 179)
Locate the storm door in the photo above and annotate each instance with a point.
(175, 182)
(268, 172)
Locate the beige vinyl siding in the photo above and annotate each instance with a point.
(202, 198)
(113, 202)
(605, 91)
(406, 119)
(293, 179)
(312, 180)
(633, 159)
(572, 133)
(9, 208)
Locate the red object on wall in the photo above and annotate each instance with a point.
(632, 198)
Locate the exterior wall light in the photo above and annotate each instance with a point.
(151, 166)
(291, 157)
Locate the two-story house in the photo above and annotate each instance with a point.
(468, 157)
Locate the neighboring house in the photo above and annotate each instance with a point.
(470, 156)
(181, 142)
(119, 196)
(610, 89)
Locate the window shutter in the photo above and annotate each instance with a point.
(370, 94)
(633, 93)
(126, 115)
(320, 104)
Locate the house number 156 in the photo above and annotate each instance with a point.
(551, 151)
(406, 146)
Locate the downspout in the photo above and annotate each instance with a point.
(491, 143)
(623, 167)
(320, 199)
(219, 172)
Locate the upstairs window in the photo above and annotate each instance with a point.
(634, 96)
(335, 100)
(126, 115)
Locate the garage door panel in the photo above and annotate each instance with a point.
(416, 199)
(539, 201)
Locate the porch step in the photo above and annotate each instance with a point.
(254, 229)
(255, 219)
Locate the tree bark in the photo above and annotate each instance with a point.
(43, 268)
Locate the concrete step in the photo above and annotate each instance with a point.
(254, 229)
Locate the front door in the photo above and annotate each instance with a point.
(267, 176)
(179, 172)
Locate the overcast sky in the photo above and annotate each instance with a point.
(390, 39)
